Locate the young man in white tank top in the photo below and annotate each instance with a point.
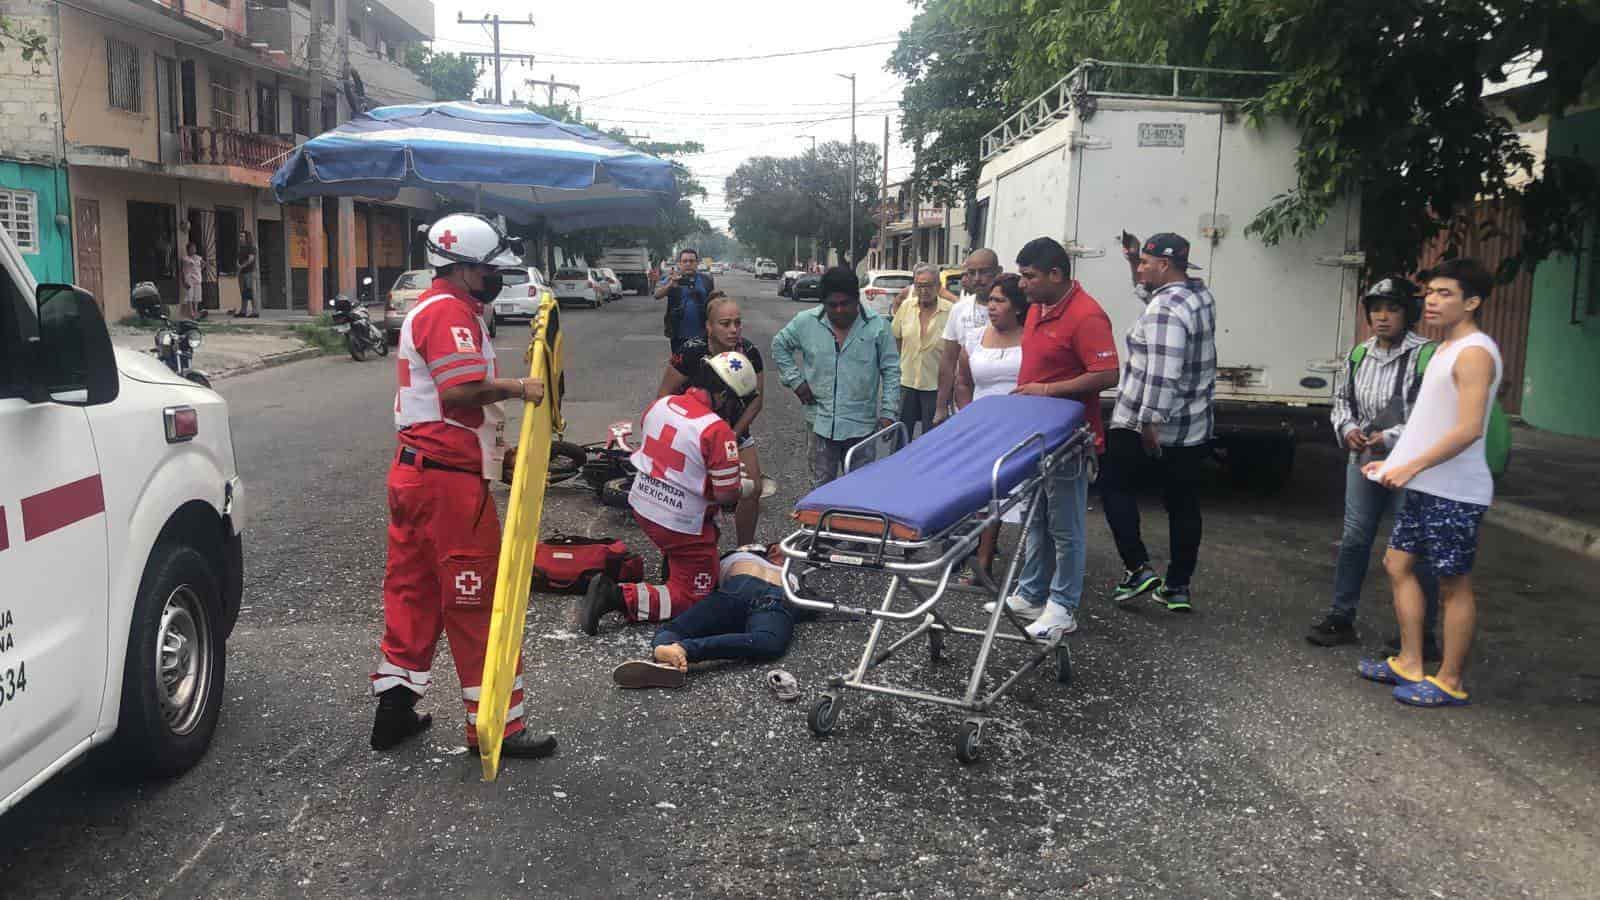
(1440, 461)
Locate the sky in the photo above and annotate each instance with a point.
(622, 55)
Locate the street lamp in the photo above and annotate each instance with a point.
(850, 194)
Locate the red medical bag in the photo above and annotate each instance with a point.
(563, 564)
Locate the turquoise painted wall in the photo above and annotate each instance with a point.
(53, 262)
(1563, 365)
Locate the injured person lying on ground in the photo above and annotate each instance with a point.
(744, 618)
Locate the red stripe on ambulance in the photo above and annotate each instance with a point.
(61, 506)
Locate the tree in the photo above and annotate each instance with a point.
(776, 199)
(451, 76)
(29, 41)
(1387, 95)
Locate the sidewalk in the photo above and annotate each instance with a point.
(231, 351)
(1549, 490)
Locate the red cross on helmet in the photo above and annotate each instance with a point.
(468, 238)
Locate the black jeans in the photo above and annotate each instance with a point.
(1123, 470)
(917, 406)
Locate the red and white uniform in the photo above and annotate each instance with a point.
(444, 530)
(688, 454)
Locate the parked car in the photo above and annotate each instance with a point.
(766, 268)
(613, 284)
(881, 287)
(788, 282)
(524, 290)
(125, 563)
(402, 296)
(578, 286)
(806, 287)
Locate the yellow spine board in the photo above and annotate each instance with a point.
(520, 539)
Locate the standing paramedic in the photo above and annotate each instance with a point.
(686, 291)
(688, 465)
(444, 531)
(1162, 422)
(1442, 464)
(1370, 408)
(1068, 352)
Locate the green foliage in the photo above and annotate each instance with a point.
(30, 43)
(450, 75)
(776, 198)
(1387, 96)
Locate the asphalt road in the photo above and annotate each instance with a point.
(1205, 756)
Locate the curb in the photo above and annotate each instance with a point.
(271, 360)
(1547, 528)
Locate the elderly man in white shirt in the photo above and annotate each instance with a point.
(969, 314)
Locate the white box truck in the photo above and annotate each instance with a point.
(632, 265)
(1093, 157)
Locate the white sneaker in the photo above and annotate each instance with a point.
(1023, 608)
(1055, 620)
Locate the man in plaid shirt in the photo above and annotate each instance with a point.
(1162, 419)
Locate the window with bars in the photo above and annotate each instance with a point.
(300, 112)
(19, 217)
(224, 99)
(267, 108)
(122, 75)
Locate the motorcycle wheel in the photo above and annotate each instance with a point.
(358, 349)
(566, 462)
(615, 492)
(380, 341)
(198, 378)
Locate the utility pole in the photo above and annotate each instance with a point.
(850, 195)
(883, 203)
(497, 56)
(551, 86)
(315, 242)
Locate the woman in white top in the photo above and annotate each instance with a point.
(990, 360)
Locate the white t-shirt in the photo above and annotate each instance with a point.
(1464, 477)
(966, 316)
(994, 369)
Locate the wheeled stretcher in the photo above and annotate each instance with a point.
(915, 515)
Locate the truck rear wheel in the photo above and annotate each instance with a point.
(173, 678)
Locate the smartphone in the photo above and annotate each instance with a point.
(1129, 242)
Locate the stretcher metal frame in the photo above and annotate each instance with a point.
(924, 568)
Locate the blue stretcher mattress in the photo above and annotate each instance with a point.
(939, 478)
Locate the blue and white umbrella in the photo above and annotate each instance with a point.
(504, 159)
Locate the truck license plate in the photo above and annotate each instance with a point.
(505, 307)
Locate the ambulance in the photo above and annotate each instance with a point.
(121, 560)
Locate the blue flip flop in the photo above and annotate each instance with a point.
(1430, 693)
(1384, 672)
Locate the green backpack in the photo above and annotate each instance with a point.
(1496, 438)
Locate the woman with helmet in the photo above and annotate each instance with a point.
(1370, 407)
(444, 533)
(688, 465)
(724, 334)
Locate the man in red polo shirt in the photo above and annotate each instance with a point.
(444, 531)
(1067, 351)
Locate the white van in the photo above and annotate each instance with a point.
(121, 560)
(766, 268)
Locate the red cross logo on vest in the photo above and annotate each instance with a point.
(448, 239)
(662, 457)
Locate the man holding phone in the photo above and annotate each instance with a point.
(685, 289)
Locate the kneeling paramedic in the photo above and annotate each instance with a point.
(687, 466)
(444, 531)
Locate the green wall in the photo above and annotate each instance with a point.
(53, 262)
(1563, 364)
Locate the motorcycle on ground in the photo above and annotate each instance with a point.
(176, 342)
(354, 322)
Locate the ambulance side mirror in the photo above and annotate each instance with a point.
(72, 360)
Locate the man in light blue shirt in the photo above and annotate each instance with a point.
(841, 361)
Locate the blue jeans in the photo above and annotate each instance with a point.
(1055, 556)
(744, 618)
(1365, 504)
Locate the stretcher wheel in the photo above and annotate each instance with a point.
(1063, 664)
(824, 713)
(969, 742)
(935, 646)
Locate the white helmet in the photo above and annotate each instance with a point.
(467, 238)
(735, 371)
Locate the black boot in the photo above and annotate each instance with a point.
(525, 744)
(602, 597)
(397, 718)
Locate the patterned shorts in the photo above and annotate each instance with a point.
(1444, 532)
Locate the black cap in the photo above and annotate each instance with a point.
(1169, 246)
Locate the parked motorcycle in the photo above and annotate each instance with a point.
(176, 342)
(354, 322)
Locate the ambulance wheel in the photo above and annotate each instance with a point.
(172, 682)
(615, 492)
(824, 714)
(969, 742)
(1063, 664)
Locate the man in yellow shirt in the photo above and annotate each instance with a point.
(919, 332)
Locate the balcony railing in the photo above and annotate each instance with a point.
(206, 146)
